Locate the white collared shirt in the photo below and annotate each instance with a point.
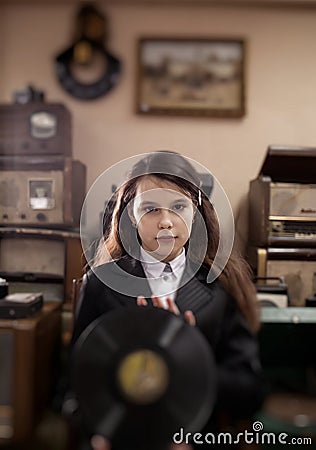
(161, 283)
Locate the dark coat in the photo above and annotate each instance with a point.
(217, 316)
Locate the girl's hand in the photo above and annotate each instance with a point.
(100, 443)
(172, 307)
(180, 447)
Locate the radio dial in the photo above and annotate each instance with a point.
(43, 125)
(277, 227)
(41, 217)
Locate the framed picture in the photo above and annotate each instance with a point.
(192, 77)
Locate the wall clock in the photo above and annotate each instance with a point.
(87, 69)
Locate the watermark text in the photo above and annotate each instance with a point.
(256, 436)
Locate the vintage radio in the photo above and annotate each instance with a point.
(28, 360)
(282, 200)
(36, 128)
(41, 260)
(41, 191)
(272, 291)
(296, 265)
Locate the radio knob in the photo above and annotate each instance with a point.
(296, 318)
(5, 216)
(23, 216)
(41, 217)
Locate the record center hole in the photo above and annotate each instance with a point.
(143, 376)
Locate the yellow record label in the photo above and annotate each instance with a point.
(143, 376)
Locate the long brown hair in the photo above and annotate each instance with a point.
(177, 170)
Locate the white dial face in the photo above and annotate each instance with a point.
(43, 125)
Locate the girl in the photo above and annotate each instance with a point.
(159, 250)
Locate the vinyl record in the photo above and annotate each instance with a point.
(142, 374)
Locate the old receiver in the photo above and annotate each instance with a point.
(35, 128)
(41, 191)
(282, 199)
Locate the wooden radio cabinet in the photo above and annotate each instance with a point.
(29, 350)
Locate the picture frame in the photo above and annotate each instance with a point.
(191, 77)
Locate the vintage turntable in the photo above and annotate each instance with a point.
(282, 199)
(282, 219)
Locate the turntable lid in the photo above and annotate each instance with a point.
(290, 164)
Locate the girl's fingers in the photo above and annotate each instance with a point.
(100, 443)
(141, 301)
(190, 318)
(172, 307)
(180, 447)
(157, 302)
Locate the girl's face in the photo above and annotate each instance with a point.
(163, 215)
